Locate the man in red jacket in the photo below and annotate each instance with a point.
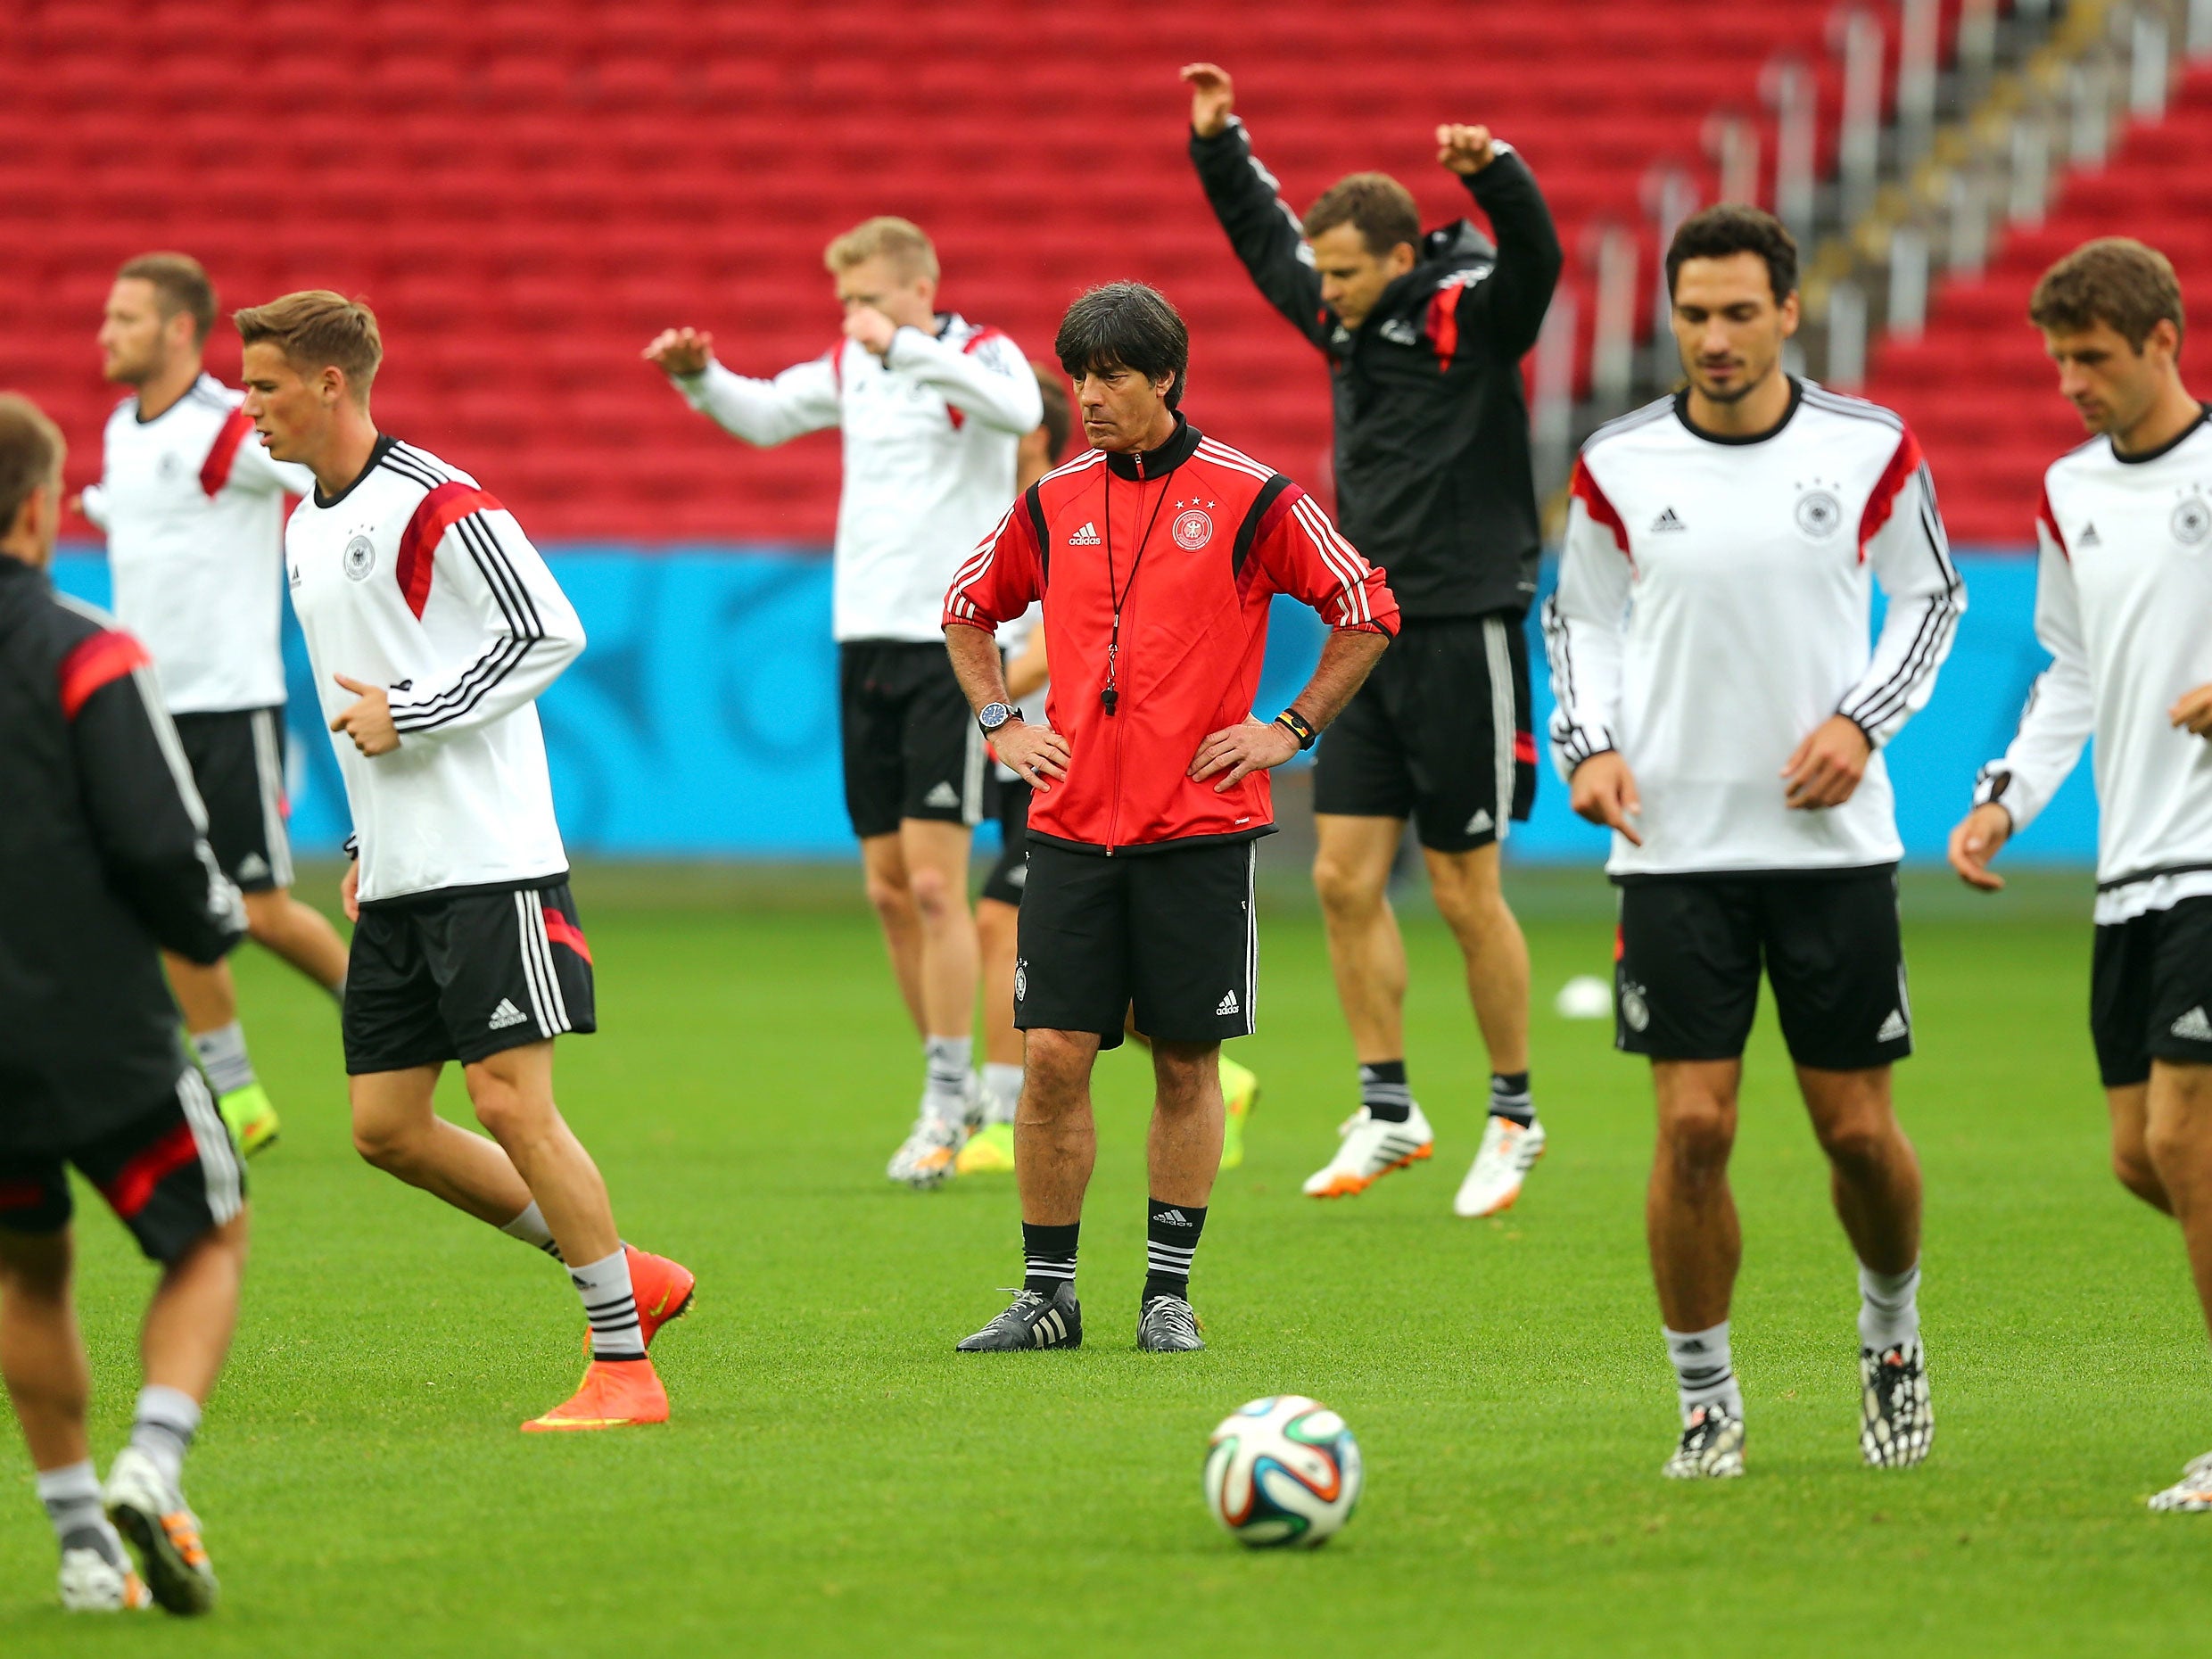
(1155, 555)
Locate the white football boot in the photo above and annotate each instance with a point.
(1372, 1148)
(2192, 1493)
(1508, 1152)
(92, 1583)
(929, 1155)
(147, 1509)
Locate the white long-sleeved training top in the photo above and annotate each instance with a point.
(1714, 609)
(930, 433)
(2124, 605)
(193, 511)
(416, 579)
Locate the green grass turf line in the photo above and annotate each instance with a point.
(837, 1480)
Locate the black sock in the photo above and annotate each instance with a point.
(1170, 1240)
(1509, 1097)
(1049, 1257)
(1382, 1090)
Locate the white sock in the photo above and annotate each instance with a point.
(223, 1057)
(1001, 1092)
(611, 1307)
(531, 1228)
(1889, 1309)
(71, 1495)
(946, 1086)
(1703, 1371)
(163, 1428)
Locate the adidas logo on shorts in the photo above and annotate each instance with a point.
(252, 867)
(507, 1014)
(1481, 824)
(2192, 1027)
(1894, 1027)
(1227, 1004)
(1087, 537)
(944, 795)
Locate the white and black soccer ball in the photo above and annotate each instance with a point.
(1283, 1470)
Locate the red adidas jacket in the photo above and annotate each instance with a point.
(1193, 540)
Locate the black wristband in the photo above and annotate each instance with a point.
(1294, 723)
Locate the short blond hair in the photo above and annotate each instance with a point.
(900, 241)
(31, 452)
(317, 329)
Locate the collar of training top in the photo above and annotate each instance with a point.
(382, 448)
(1158, 463)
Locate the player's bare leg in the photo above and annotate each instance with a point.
(936, 859)
(397, 1128)
(512, 1091)
(208, 998)
(2131, 1146)
(1875, 1179)
(1351, 873)
(42, 1353)
(1055, 1149)
(2178, 1137)
(990, 1148)
(1471, 898)
(1696, 1248)
(300, 934)
(883, 868)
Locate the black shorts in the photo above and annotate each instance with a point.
(1685, 966)
(237, 760)
(170, 1175)
(1011, 874)
(2150, 992)
(1170, 935)
(463, 975)
(912, 745)
(1439, 733)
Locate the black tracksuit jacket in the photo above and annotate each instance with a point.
(103, 856)
(1432, 477)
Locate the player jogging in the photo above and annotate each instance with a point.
(1021, 642)
(1155, 557)
(193, 513)
(1720, 708)
(104, 858)
(433, 626)
(1424, 336)
(932, 408)
(2124, 605)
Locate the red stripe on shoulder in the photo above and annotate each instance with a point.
(1444, 322)
(435, 514)
(215, 471)
(94, 662)
(979, 336)
(1882, 502)
(2049, 520)
(835, 358)
(1593, 500)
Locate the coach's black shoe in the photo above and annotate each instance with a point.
(1711, 1447)
(1897, 1425)
(1166, 1324)
(1035, 1320)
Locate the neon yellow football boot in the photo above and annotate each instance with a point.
(990, 1150)
(1239, 1093)
(251, 1119)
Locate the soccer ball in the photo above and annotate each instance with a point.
(1283, 1470)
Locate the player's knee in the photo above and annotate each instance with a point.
(890, 896)
(1342, 885)
(935, 896)
(1697, 1135)
(2172, 1154)
(2132, 1168)
(387, 1146)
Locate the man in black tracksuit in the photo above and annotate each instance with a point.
(1425, 336)
(104, 861)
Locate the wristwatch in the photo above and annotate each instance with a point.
(991, 716)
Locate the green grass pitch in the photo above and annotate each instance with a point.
(837, 1480)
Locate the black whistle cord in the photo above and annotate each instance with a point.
(1111, 695)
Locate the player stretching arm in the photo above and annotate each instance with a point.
(432, 626)
(104, 857)
(932, 408)
(1424, 336)
(1719, 709)
(2123, 607)
(193, 513)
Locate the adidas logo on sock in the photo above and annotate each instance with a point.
(1087, 537)
(1894, 1027)
(2193, 1025)
(944, 795)
(507, 1014)
(1228, 1005)
(1171, 1218)
(1667, 521)
(1481, 822)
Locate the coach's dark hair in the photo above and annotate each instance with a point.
(180, 284)
(31, 453)
(2116, 280)
(1374, 204)
(1125, 325)
(1732, 228)
(1059, 415)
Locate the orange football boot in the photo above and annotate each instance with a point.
(662, 1289)
(616, 1394)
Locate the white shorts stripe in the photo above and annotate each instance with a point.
(1499, 658)
(268, 767)
(972, 769)
(219, 1169)
(526, 947)
(1251, 936)
(535, 903)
